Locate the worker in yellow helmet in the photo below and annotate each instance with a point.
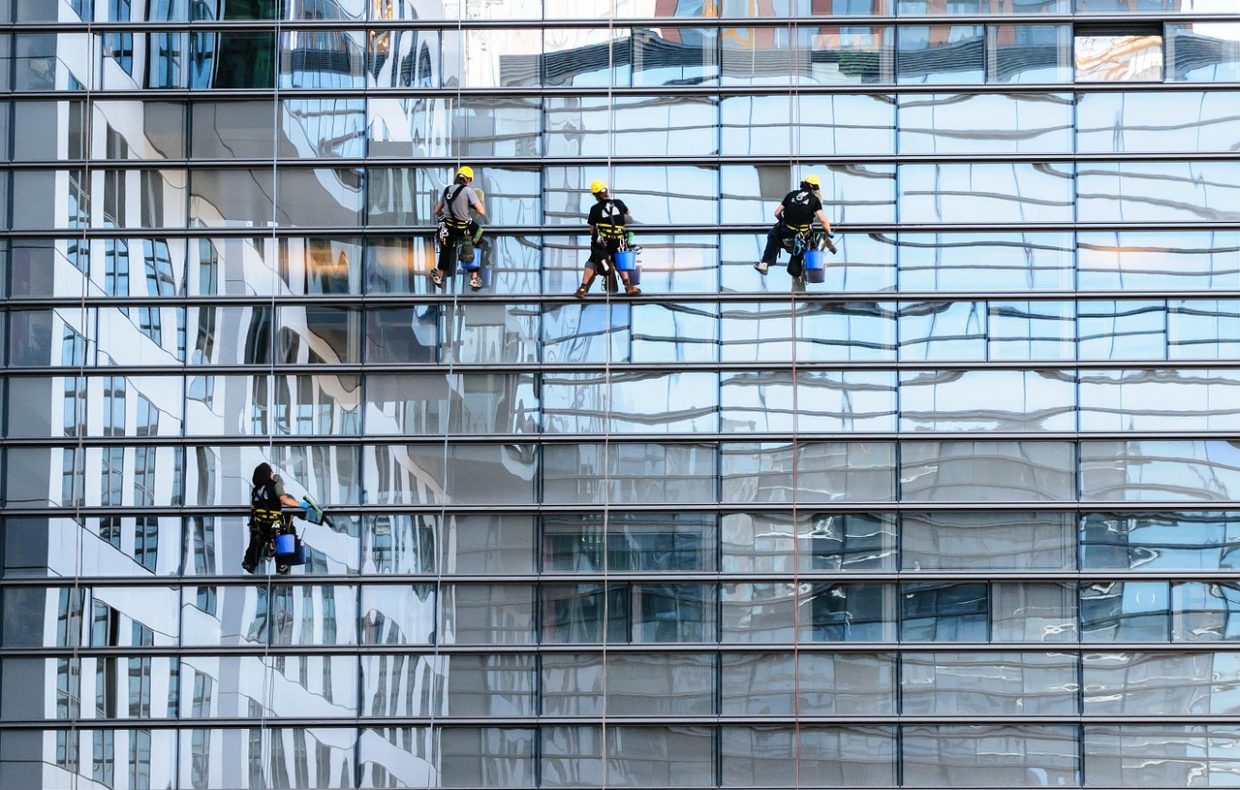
(457, 226)
(794, 219)
(607, 237)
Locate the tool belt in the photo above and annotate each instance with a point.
(799, 238)
(260, 517)
(610, 232)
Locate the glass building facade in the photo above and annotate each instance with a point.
(966, 514)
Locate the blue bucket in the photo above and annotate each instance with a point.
(626, 261)
(487, 273)
(815, 266)
(286, 544)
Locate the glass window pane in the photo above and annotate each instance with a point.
(321, 58)
(321, 197)
(845, 124)
(590, 57)
(631, 402)
(757, 684)
(397, 614)
(1153, 121)
(1125, 612)
(1158, 191)
(945, 612)
(231, 198)
(1012, 755)
(1202, 328)
(1152, 684)
(1202, 612)
(1018, 193)
(1032, 330)
(849, 55)
(826, 401)
(762, 756)
(763, 542)
(947, 123)
(485, 614)
(1007, 541)
(941, 54)
(824, 332)
(675, 56)
(987, 471)
(1160, 400)
(988, 400)
(1137, 260)
(852, 613)
(486, 756)
(1157, 541)
(1029, 612)
(826, 472)
(434, 403)
(636, 542)
(988, 684)
(1144, 756)
(231, 59)
(1160, 471)
(475, 474)
(322, 128)
(1109, 57)
(407, 58)
(1031, 53)
(943, 330)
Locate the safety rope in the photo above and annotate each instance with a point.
(77, 488)
(454, 324)
(794, 126)
(269, 681)
(609, 305)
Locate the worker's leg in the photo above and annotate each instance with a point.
(595, 265)
(254, 551)
(774, 241)
(796, 264)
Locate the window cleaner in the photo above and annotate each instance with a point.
(271, 522)
(611, 247)
(794, 219)
(458, 228)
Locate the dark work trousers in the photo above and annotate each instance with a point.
(448, 249)
(776, 238)
(600, 251)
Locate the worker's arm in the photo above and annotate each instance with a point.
(478, 207)
(438, 210)
(779, 210)
(826, 223)
(288, 501)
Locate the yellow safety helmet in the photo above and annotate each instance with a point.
(598, 186)
(465, 170)
(813, 181)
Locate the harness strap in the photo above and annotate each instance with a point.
(447, 204)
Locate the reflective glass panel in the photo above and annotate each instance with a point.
(1105, 57)
(941, 54)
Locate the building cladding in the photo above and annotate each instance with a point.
(966, 514)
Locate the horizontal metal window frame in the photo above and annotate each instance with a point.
(917, 506)
(220, 94)
(558, 579)
(286, 164)
(281, 370)
(1070, 649)
(441, 721)
(670, 298)
(581, 230)
(978, 437)
(450, 24)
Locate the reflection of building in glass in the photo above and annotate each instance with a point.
(963, 515)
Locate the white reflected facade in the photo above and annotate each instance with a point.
(966, 514)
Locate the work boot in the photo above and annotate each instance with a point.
(437, 277)
(249, 566)
(283, 569)
(475, 282)
(762, 267)
(632, 290)
(581, 291)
